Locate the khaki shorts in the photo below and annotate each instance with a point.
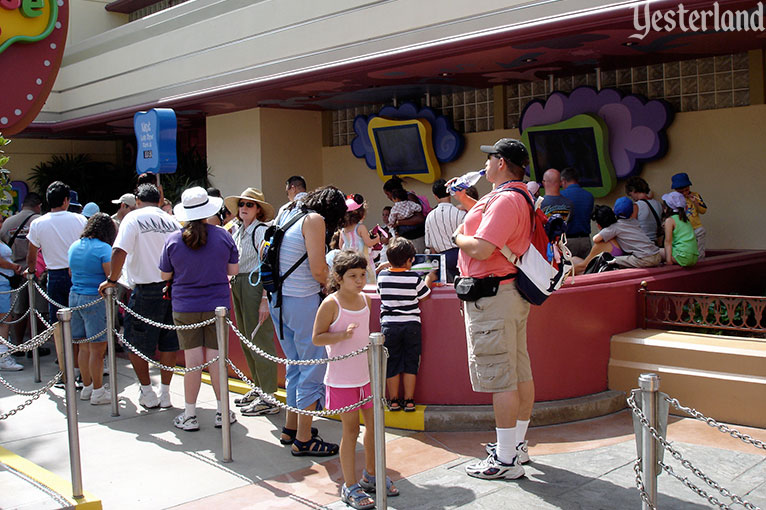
(496, 333)
(197, 337)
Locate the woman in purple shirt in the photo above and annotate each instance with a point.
(198, 260)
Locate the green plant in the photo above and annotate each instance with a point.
(6, 199)
(192, 170)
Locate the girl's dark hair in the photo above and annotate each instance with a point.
(194, 234)
(357, 215)
(335, 240)
(604, 216)
(393, 183)
(667, 212)
(344, 261)
(330, 203)
(400, 194)
(100, 226)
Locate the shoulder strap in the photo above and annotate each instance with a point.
(512, 258)
(18, 230)
(654, 213)
(252, 235)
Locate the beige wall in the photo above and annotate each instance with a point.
(27, 153)
(89, 17)
(263, 147)
(722, 150)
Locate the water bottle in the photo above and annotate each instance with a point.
(466, 181)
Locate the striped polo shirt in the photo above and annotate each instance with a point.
(400, 292)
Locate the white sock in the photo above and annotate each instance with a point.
(218, 406)
(521, 430)
(164, 389)
(506, 444)
(190, 410)
(146, 388)
(100, 390)
(88, 387)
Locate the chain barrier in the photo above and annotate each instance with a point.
(59, 305)
(34, 395)
(15, 321)
(720, 426)
(284, 361)
(42, 319)
(90, 338)
(17, 289)
(272, 400)
(13, 305)
(640, 484)
(30, 344)
(146, 358)
(685, 463)
(162, 325)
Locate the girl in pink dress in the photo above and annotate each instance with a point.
(342, 325)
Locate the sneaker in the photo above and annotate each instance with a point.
(148, 399)
(86, 392)
(219, 419)
(9, 364)
(182, 422)
(521, 451)
(260, 408)
(492, 469)
(165, 400)
(101, 396)
(247, 399)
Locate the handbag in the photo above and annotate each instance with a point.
(469, 288)
(15, 281)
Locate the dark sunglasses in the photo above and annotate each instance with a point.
(490, 156)
(249, 205)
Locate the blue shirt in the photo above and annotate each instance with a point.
(582, 207)
(86, 257)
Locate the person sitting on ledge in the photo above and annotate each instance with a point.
(637, 249)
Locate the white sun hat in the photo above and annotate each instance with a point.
(196, 205)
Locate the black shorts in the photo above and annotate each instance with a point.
(403, 344)
(146, 300)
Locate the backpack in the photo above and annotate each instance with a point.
(270, 274)
(537, 277)
(600, 264)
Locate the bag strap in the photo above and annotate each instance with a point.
(654, 213)
(18, 230)
(252, 235)
(513, 258)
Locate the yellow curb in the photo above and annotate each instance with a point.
(50, 480)
(413, 420)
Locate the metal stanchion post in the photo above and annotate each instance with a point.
(112, 347)
(223, 378)
(377, 362)
(650, 386)
(64, 316)
(33, 325)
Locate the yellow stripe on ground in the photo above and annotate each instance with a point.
(413, 420)
(50, 480)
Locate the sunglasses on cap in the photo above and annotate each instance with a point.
(249, 205)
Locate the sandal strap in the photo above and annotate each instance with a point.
(315, 444)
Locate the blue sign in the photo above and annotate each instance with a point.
(156, 137)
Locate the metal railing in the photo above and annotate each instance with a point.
(694, 310)
(650, 420)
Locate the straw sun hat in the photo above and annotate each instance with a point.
(253, 195)
(196, 205)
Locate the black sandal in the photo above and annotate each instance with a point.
(409, 405)
(395, 404)
(314, 447)
(291, 433)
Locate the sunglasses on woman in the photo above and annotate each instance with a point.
(249, 205)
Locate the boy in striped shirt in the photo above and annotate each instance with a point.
(400, 292)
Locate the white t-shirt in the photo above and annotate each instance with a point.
(54, 233)
(142, 236)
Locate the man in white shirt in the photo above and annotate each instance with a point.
(441, 222)
(138, 246)
(53, 233)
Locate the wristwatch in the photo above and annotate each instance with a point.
(110, 280)
(454, 238)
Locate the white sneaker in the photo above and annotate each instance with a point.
(148, 399)
(165, 400)
(101, 396)
(182, 422)
(9, 364)
(492, 469)
(86, 392)
(219, 419)
(521, 451)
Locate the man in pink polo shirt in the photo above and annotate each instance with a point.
(496, 324)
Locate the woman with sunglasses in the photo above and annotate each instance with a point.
(254, 215)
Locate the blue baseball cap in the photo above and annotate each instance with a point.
(90, 209)
(73, 199)
(623, 207)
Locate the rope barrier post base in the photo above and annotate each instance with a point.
(650, 387)
(222, 335)
(64, 316)
(112, 347)
(33, 325)
(376, 359)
